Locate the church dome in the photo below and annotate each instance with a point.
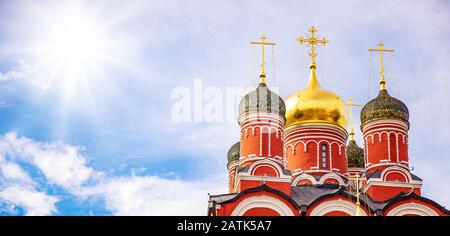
(315, 104)
(262, 100)
(384, 107)
(234, 152)
(355, 155)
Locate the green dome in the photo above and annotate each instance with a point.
(234, 152)
(384, 107)
(355, 155)
(262, 100)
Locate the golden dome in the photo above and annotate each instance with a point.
(314, 104)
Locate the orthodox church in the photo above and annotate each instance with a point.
(297, 158)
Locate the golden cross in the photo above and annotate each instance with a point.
(381, 50)
(350, 104)
(312, 40)
(357, 178)
(263, 42)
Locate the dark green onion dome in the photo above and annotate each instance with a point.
(262, 100)
(234, 152)
(355, 155)
(384, 107)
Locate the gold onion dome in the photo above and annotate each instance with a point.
(355, 155)
(314, 104)
(384, 107)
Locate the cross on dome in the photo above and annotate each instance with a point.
(263, 42)
(381, 50)
(313, 43)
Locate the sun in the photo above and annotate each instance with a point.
(68, 48)
(76, 41)
(74, 52)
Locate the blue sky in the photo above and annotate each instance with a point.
(90, 131)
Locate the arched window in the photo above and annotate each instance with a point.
(323, 155)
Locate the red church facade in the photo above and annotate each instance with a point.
(294, 157)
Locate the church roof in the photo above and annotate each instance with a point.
(262, 99)
(355, 155)
(308, 195)
(377, 174)
(384, 107)
(234, 152)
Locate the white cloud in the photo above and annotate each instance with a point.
(14, 172)
(151, 195)
(34, 202)
(18, 72)
(64, 166)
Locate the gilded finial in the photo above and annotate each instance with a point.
(350, 105)
(357, 178)
(313, 43)
(262, 75)
(381, 50)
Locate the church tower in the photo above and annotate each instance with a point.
(292, 160)
(385, 125)
(315, 132)
(355, 154)
(261, 120)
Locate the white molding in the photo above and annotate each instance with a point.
(331, 175)
(301, 177)
(412, 208)
(383, 123)
(257, 158)
(262, 178)
(398, 169)
(336, 205)
(379, 182)
(316, 125)
(262, 202)
(385, 164)
(265, 162)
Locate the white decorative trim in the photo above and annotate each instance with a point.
(268, 162)
(389, 145)
(318, 125)
(257, 158)
(396, 169)
(378, 182)
(397, 150)
(412, 208)
(260, 140)
(331, 175)
(262, 178)
(262, 202)
(256, 167)
(386, 164)
(382, 123)
(301, 177)
(336, 205)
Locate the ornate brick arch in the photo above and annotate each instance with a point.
(336, 205)
(412, 209)
(262, 202)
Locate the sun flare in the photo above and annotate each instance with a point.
(75, 41)
(69, 48)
